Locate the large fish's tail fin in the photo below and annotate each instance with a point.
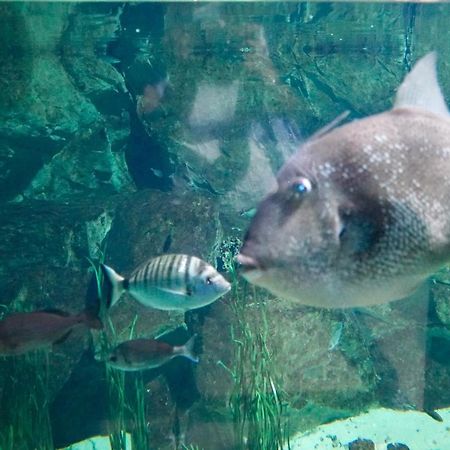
(114, 285)
(187, 350)
(421, 89)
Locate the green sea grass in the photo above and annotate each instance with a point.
(126, 412)
(256, 403)
(24, 417)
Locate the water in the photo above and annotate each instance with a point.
(132, 130)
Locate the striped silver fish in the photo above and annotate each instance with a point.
(168, 282)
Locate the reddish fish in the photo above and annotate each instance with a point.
(26, 331)
(140, 354)
(361, 215)
(151, 98)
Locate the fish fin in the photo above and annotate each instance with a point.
(90, 317)
(329, 126)
(62, 338)
(114, 285)
(420, 88)
(187, 350)
(58, 312)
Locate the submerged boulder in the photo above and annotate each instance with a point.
(56, 138)
(125, 138)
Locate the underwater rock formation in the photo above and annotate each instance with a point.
(142, 129)
(62, 133)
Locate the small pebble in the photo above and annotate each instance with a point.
(397, 446)
(361, 444)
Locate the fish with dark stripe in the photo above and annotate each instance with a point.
(168, 282)
(142, 354)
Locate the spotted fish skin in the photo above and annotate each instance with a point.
(169, 282)
(361, 215)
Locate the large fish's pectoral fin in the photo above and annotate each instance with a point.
(359, 230)
(329, 126)
(421, 89)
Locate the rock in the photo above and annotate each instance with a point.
(197, 109)
(441, 292)
(397, 446)
(55, 141)
(361, 444)
(42, 245)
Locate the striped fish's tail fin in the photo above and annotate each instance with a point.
(114, 285)
(187, 350)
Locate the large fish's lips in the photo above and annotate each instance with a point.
(249, 267)
(247, 262)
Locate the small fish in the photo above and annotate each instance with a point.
(395, 446)
(151, 98)
(169, 282)
(336, 336)
(158, 173)
(140, 354)
(361, 214)
(26, 331)
(249, 212)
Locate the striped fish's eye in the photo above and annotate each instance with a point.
(208, 280)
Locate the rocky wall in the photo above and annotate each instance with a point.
(148, 128)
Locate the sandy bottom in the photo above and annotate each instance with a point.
(382, 426)
(96, 443)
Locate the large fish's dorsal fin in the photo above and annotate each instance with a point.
(421, 89)
(329, 126)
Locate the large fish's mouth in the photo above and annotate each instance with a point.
(250, 269)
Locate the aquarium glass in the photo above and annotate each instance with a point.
(144, 136)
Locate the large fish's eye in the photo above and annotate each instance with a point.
(301, 186)
(208, 280)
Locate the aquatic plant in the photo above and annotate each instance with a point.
(139, 435)
(123, 411)
(25, 419)
(115, 380)
(256, 403)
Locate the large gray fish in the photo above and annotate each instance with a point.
(26, 331)
(140, 354)
(361, 215)
(169, 282)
